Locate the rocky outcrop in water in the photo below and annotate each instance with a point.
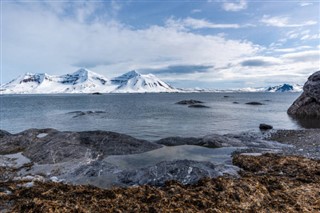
(198, 106)
(189, 102)
(254, 103)
(308, 104)
(265, 127)
(248, 140)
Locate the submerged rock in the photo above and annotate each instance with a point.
(189, 102)
(308, 104)
(82, 113)
(254, 103)
(198, 106)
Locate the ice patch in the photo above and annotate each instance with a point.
(42, 135)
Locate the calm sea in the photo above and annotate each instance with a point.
(147, 116)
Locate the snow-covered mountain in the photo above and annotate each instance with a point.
(285, 88)
(136, 82)
(85, 81)
(278, 88)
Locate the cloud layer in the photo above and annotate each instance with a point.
(213, 44)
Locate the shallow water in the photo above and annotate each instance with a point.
(147, 116)
(184, 152)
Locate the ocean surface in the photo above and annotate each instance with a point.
(147, 116)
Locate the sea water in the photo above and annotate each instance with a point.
(147, 116)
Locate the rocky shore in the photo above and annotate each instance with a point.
(275, 171)
(267, 183)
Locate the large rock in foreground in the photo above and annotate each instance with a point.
(308, 104)
(47, 146)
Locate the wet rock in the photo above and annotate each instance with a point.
(235, 102)
(254, 103)
(210, 141)
(189, 102)
(178, 141)
(268, 183)
(82, 113)
(59, 146)
(308, 104)
(265, 127)
(198, 106)
(96, 93)
(184, 171)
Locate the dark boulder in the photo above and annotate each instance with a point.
(308, 104)
(254, 103)
(265, 127)
(189, 102)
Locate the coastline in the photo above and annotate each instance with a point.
(287, 181)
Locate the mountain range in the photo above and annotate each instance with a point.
(86, 81)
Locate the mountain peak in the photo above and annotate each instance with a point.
(131, 74)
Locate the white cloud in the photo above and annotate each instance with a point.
(287, 50)
(304, 4)
(283, 21)
(310, 55)
(230, 6)
(57, 45)
(192, 23)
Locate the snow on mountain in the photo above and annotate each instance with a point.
(278, 88)
(136, 82)
(285, 88)
(84, 81)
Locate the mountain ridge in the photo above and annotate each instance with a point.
(85, 81)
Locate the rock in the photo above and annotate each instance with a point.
(58, 146)
(82, 113)
(226, 96)
(235, 102)
(265, 127)
(254, 103)
(96, 93)
(189, 102)
(210, 141)
(184, 171)
(308, 104)
(178, 141)
(198, 106)
(3, 133)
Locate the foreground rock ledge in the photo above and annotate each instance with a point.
(268, 183)
(308, 104)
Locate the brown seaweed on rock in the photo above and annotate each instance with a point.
(268, 183)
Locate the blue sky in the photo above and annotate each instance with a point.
(207, 44)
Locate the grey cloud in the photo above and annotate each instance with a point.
(181, 69)
(256, 63)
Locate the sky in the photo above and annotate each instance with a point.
(197, 43)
